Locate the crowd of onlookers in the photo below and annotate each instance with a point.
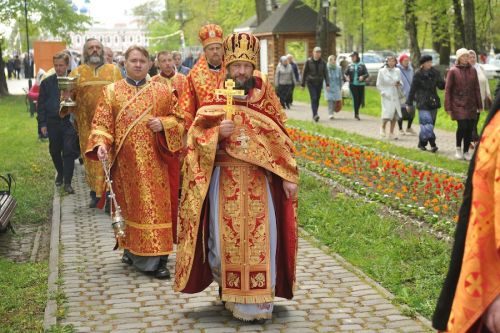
(403, 91)
(19, 66)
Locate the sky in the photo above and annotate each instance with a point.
(110, 12)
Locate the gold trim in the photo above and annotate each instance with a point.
(94, 83)
(230, 306)
(103, 133)
(148, 226)
(147, 254)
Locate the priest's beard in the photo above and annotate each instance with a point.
(94, 59)
(246, 86)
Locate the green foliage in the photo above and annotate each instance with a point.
(409, 263)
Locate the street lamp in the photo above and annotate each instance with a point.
(27, 41)
(326, 7)
(362, 30)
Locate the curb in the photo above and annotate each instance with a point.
(50, 318)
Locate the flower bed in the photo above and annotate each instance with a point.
(427, 193)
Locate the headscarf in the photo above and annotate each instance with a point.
(329, 64)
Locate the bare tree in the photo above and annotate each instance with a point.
(411, 28)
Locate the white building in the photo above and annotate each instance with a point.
(119, 38)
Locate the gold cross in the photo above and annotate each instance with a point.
(243, 140)
(229, 92)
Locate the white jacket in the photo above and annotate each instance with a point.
(386, 84)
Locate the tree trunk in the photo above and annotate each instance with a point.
(459, 25)
(260, 8)
(411, 28)
(441, 37)
(4, 90)
(321, 26)
(470, 25)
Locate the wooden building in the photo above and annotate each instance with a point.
(289, 29)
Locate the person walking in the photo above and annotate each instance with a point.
(484, 88)
(462, 99)
(17, 67)
(284, 80)
(388, 83)
(406, 70)
(62, 135)
(356, 74)
(295, 73)
(313, 75)
(423, 92)
(334, 95)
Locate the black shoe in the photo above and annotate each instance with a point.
(357, 117)
(421, 147)
(80, 160)
(93, 202)
(434, 149)
(69, 189)
(316, 118)
(162, 271)
(59, 180)
(127, 260)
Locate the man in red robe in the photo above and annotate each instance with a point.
(238, 218)
(206, 75)
(168, 76)
(138, 129)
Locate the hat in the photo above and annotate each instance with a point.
(423, 59)
(461, 52)
(210, 34)
(354, 54)
(241, 46)
(317, 49)
(403, 57)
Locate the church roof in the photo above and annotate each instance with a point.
(292, 17)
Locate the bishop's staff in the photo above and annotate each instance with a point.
(117, 221)
(229, 92)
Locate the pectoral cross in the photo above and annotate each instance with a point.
(229, 92)
(243, 140)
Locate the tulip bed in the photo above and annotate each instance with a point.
(430, 194)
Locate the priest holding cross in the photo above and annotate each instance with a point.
(237, 216)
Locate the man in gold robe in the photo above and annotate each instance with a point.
(237, 217)
(138, 129)
(92, 75)
(168, 76)
(470, 298)
(206, 75)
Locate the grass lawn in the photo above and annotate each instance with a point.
(24, 285)
(409, 263)
(373, 107)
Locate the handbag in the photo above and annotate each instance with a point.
(338, 106)
(401, 95)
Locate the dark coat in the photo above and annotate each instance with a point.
(423, 89)
(462, 96)
(315, 72)
(362, 72)
(48, 100)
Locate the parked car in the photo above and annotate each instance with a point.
(384, 53)
(491, 68)
(373, 63)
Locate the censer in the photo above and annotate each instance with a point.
(117, 221)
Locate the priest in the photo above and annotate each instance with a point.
(168, 75)
(206, 75)
(237, 217)
(92, 75)
(138, 129)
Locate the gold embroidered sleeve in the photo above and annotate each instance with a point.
(173, 125)
(102, 132)
(187, 102)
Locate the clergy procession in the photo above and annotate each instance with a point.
(204, 184)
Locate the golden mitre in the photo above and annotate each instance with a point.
(241, 46)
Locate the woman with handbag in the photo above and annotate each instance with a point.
(334, 94)
(389, 84)
(423, 91)
(484, 89)
(462, 99)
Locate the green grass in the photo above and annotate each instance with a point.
(24, 285)
(435, 160)
(24, 296)
(373, 106)
(410, 264)
(28, 160)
